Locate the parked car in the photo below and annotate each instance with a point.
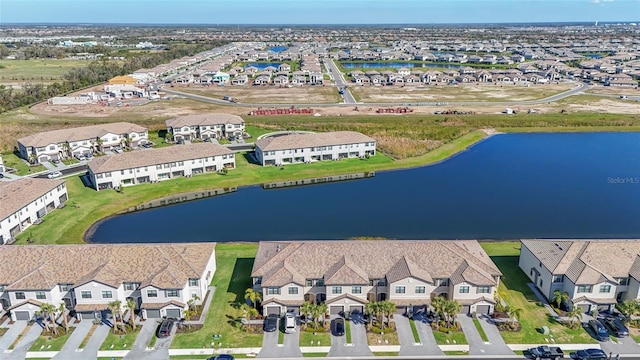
(221, 357)
(337, 327)
(55, 161)
(271, 323)
(54, 174)
(290, 323)
(80, 157)
(117, 149)
(1, 176)
(616, 326)
(546, 352)
(589, 354)
(164, 329)
(599, 331)
(88, 156)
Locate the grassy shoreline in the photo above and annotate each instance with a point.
(87, 207)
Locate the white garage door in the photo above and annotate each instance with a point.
(22, 315)
(336, 310)
(153, 314)
(483, 309)
(174, 313)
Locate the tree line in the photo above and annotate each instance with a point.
(95, 73)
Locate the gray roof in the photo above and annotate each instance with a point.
(205, 119)
(299, 141)
(357, 261)
(80, 133)
(14, 195)
(588, 261)
(140, 158)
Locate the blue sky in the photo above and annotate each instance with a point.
(316, 11)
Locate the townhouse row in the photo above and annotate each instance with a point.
(160, 278)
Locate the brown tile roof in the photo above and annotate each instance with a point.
(405, 268)
(588, 261)
(205, 119)
(345, 272)
(376, 259)
(347, 296)
(141, 158)
(150, 306)
(475, 301)
(41, 267)
(90, 307)
(79, 133)
(283, 275)
(595, 300)
(28, 301)
(299, 141)
(283, 302)
(14, 195)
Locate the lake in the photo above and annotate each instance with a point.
(262, 66)
(511, 186)
(397, 65)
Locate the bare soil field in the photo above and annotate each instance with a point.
(475, 92)
(613, 90)
(268, 94)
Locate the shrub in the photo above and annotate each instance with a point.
(377, 330)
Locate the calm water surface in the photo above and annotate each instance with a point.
(397, 65)
(580, 185)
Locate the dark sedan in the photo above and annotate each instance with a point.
(616, 326)
(271, 323)
(337, 327)
(164, 329)
(599, 331)
(589, 354)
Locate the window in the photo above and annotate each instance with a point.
(152, 293)
(64, 287)
(293, 290)
(320, 282)
(20, 295)
(308, 283)
(130, 286)
(336, 290)
(585, 288)
(484, 289)
(464, 289)
(420, 289)
(605, 288)
(107, 294)
(558, 278)
(172, 293)
(442, 282)
(85, 294)
(356, 289)
(400, 289)
(193, 282)
(40, 295)
(623, 281)
(273, 291)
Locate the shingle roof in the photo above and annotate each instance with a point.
(41, 267)
(79, 133)
(14, 195)
(299, 141)
(141, 158)
(357, 259)
(205, 119)
(588, 261)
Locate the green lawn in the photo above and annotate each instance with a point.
(47, 343)
(152, 342)
(385, 353)
(120, 342)
(255, 132)
(458, 337)
(309, 339)
(11, 160)
(484, 337)
(318, 354)
(513, 288)
(49, 69)
(347, 331)
(157, 137)
(414, 330)
(280, 337)
(232, 278)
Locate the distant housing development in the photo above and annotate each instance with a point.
(348, 274)
(145, 166)
(64, 143)
(160, 278)
(24, 202)
(309, 147)
(205, 126)
(595, 274)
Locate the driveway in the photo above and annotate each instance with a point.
(90, 350)
(20, 351)
(160, 351)
(408, 346)
(11, 335)
(625, 345)
(359, 346)
(495, 345)
(68, 351)
(142, 341)
(290, 348)
(270, 345)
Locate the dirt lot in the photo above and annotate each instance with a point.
(268, 94)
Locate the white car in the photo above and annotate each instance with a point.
(54, 174)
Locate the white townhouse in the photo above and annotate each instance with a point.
(205, 126)
(160, 278)
(595, 273)
(309, 147)
(147, 166)
(348, 274)
(2, 167)
(63, 143)
(25, 202)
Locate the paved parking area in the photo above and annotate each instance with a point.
(408, 346)
(90, 350)
(11, 335)
(359, 346)
(20, 351)
(495, 345)
(625, 345)
(290, 348)
(144, 337)
(68, 351)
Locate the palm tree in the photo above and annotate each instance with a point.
(387, 308)
(254, 296)
(66, 150)
(48, 313)
(370, 309)
(628, 308)
(115, 307)
(559, 297)
(575, 313)
(188, 313)
(306, 309)
(438, 304)
(513, 313)
(131, 304)
(451, 308)
(62, 308)
(319, 310)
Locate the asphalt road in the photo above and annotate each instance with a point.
(580, 86)
(340, 82)
(465, 357)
